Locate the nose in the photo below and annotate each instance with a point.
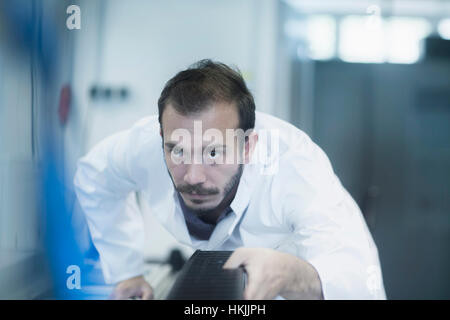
(195, 174)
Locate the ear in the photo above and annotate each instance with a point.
(250, 145)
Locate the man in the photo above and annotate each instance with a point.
(291, 224)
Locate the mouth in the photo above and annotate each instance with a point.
(197, 196)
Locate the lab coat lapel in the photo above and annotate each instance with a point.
(225, 228)
(222, 231)
(169, 214)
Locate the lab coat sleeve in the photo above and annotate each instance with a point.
(105, 191)
(328, 229)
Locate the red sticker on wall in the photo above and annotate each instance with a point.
(64, 104)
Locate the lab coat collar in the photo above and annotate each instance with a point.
(182, 233)
(225, 228)
(242, 198)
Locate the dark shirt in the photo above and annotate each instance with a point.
(196, 226)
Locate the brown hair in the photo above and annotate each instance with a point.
(205, 82)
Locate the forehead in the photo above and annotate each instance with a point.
(220, 116)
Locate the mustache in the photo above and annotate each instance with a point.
(197, 189)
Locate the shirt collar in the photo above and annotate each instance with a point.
(242, 198)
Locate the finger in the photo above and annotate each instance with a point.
(147, 294)
(258, 293)
(112, 296)
(124, 293)
(261, 294)
(118, 295)
(251, 291)
(237, 259)
(252, 287)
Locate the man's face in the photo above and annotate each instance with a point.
(196, 157)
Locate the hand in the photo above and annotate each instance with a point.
(272, 273)
(266, 271)
(136, 287)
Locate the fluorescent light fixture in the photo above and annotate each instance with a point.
(404, 39)
(394, 40)
(444, 28)
(360, 40)
(321, 36)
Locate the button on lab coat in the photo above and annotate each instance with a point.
(289, 199)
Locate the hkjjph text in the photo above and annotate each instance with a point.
(243, 310)
(246, 310)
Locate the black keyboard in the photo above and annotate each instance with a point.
(203, 278)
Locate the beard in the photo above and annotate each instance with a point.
(228, 190)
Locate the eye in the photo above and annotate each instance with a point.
(177, 152)
(214, 154)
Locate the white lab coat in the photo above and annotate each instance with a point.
(292, 203)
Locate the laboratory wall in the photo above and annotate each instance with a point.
(35, 63)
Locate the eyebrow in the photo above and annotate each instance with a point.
(170, 145)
